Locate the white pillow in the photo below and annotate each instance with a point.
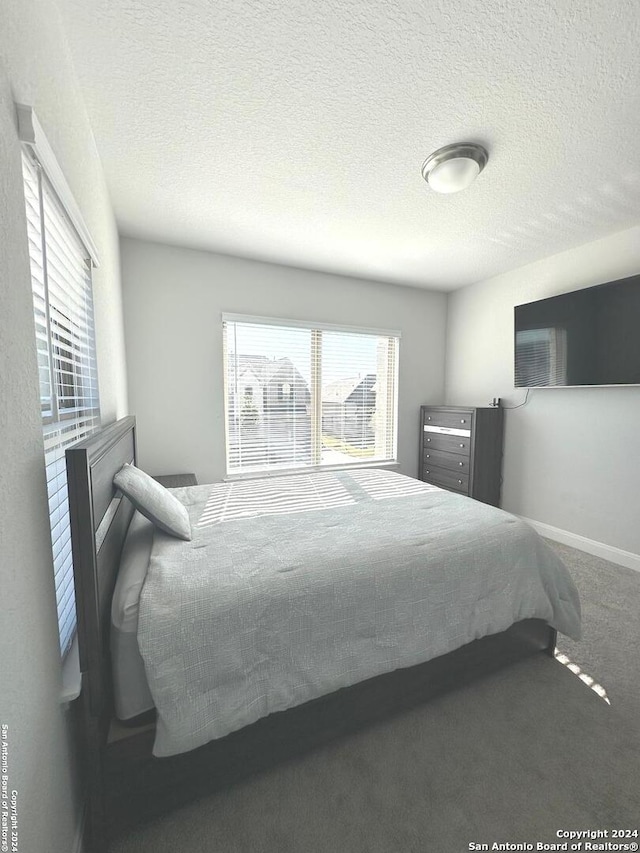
(154, 501)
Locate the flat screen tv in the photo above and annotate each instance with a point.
(586, 337)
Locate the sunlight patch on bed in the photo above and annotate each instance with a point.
(280, 496)
(386, 484)
(583, 676)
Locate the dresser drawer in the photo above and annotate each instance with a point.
(452, 420)
(450, 443)
(450, 461)
(445, 478)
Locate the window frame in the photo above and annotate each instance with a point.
(55, 225)
(316, 330)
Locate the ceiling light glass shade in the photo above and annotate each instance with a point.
(454, 167)
(453, 175)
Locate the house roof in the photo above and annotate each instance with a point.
(351, 390)
(266, 369)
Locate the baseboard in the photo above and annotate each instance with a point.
(590, 546)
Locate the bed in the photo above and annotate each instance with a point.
(312, 624)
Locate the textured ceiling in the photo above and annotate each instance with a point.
(294, 131)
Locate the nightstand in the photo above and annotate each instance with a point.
(175, 481)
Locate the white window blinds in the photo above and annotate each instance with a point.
(302, 396)
(64, 329)
(541, 357)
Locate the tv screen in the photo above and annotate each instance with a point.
(587, 337)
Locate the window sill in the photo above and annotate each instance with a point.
(71, 675)
(308, 469)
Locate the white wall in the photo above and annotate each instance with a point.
(572, 456)
(173, 303)
(35, 69)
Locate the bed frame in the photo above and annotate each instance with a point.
(125, 783)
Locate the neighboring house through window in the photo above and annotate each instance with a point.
(65, 342)
(303, 395)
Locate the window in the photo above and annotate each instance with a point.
(301, 396)
(64, 331)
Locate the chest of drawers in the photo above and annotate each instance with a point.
(461, 450)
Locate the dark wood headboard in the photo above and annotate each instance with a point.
(100, 518)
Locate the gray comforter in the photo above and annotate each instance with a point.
(294, 587)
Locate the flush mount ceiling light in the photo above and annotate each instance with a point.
(454, 167)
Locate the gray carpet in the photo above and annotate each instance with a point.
(514, 757)
(609, 650)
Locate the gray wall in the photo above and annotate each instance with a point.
(173, 303)
(572, 456)
(35, 69)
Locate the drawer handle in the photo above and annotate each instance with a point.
(461, 464)
(460, 481)
(428, 417)
(427, 472)
(430, 440)
(462, 445)
(428, 456)
(462, 421)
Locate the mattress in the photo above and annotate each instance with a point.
(294, 587)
